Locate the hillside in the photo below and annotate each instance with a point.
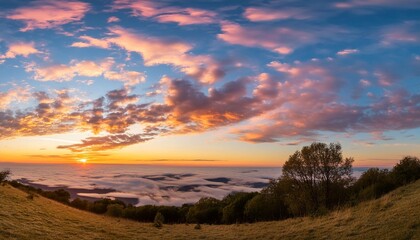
(394, 216)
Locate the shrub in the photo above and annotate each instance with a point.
(197, 226)
(234, 210)
(159, 220)
(31, 196)
(59, 195)
(407, 170)
(4, 175)
(206, 210)
(80, 204)
(373, 183)
(114, 210)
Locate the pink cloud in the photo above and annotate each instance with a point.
(281, 40)
(20, 49)
(261, 14)
(49, 13)
(284, 68)
(386, 78)
(90, 42)
(188, 16)
(345, 52)
(404, 33)
(112, 19)
(163, 13)
(157, 51)
(377, 3)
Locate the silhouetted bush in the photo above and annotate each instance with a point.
(197, 226)
(206, 210)
(114, 210)
(4, 175)
(233, 212)
(373, 183)
(269, 204)
(59, 195)
(101, 206)
(406, 171)
(80, 204)
(158, 220)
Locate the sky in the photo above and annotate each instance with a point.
(208, 83)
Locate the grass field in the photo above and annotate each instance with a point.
(394, 216)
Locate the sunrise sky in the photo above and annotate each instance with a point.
(243, 83)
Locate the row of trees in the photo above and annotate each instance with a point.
(315, 180)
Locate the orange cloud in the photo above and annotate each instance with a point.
(17, 94)
(49, 13)
(20, 49)
(58, 73)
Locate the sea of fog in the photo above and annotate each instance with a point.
(145, 184)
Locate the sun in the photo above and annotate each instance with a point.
(82, 160)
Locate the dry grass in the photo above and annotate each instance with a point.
(395, 216)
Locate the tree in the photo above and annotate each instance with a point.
(407, 170)
(235, 203)
(4, 175)
(269, 204)
(319, 176)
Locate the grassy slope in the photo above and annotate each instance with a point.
(395, 216)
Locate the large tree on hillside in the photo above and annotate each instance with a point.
(318, 175)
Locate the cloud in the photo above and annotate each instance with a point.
(193, 111)
(345, 52)
(90, 42)
(106, 142)
(405, 33)
(386, 78)
(20, 49)
(164, 14)
(281, 40)
(58, 73)
(376, 3)
(112, 19)
(43, 14)
(284, 68)
(262, 14)
(307, 103)
(50, 116)
(129, 78)
(156, 51)
(85, 68)
(16, 94)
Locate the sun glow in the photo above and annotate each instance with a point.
(82, 160)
